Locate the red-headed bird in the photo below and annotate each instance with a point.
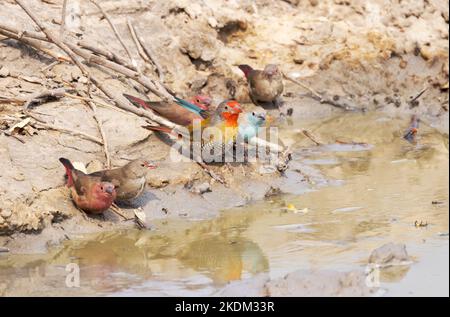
(89, 193)
(224, 118)
(180, 112)
(264, 85)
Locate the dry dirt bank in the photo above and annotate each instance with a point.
(373, 55)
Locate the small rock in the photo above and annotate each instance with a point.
(403, 64)
(389, 254)
(4, 72)
(212, 22)
(19, 177)
(273, 191)
(3, 249)
(6, 213)
(426, 53)
(202, 188)
(2, 221)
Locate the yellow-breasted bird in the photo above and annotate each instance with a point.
(221, 125)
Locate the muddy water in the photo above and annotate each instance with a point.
(379, 188)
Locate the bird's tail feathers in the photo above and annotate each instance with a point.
(138, 102)
(69, 169)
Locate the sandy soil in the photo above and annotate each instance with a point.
(373, 55)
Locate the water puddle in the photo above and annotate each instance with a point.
(382, 186)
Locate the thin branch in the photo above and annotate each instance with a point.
(93, 107)
(136, 41)
(104, 52)
(120, 102)
(418, 95)
(148, 83)
(116, 32)
(155, 87)
(46, 125)
(63, 20)
(34, 44)
(43, 95)
(52, 37)
(320, 98)
(311, 137)
(98, 102)
(150, 55)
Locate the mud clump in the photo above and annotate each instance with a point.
(389, 254)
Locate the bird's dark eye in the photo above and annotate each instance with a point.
(253, 114)
(226, 107)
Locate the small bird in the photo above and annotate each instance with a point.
(180, 112)
(89, 193)
(249, 127)
(129, 180)
(224, 118)
(410, 134)
(264, 85)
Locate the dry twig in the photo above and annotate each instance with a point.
(311, 137)
(315, 95)
(116, 32)
(63, 20)
(43, 95)
(144, 51)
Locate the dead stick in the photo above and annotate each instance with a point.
(148, 83)
(150, 55)
(121, 103)
(117, 210)
(321, 98)
(155, 87)
(104, 52)
(100, 103)
(52, 37)
(116, 32)
(39, 96)
(44, 124)
(93, 107)
(136, 42)
(418, 95)
(34, 44)
(63, 20)
(311, 137)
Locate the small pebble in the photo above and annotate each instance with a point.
(6, 213)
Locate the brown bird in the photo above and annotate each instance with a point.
(176, 112)
(264, 85)
(89, 193)
(129, 180)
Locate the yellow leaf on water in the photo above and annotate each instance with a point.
(291, 207)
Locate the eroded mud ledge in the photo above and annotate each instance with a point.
(376, 57)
